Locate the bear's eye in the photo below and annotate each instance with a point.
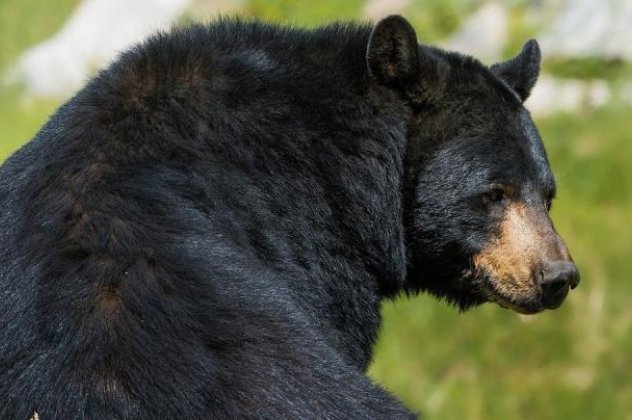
(494, 196)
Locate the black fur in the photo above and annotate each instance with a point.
(521, 72)
(207, 229)
(392, 52)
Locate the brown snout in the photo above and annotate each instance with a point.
(528, 263)
(556, 279)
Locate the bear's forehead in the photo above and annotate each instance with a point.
(467, 73)
(518, 151)
(512, 153)
(512, 128)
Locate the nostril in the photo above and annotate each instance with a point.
(553, 288)
(556, 279)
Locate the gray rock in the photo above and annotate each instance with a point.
(96, 32)
(551, 95)
(583, 28)
(483, 35)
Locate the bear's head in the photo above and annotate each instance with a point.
(478, 186)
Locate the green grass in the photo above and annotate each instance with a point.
(590, 68)
(487, 363)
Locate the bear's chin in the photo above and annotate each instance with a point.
(525, 305)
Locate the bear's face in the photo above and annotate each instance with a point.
(478, 183)
(479, 228)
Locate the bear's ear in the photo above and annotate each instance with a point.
(521, 72)
(392, 53)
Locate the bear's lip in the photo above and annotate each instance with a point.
(524, 308)
(527, 305)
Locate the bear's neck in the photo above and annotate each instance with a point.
(328, 214)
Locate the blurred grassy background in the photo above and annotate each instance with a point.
(488, 363)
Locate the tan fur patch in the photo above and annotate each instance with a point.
(149, 79)
(511, 259)
(110, 302)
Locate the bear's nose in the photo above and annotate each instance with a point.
(557, 278)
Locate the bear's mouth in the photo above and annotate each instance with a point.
(525, 307)
(527, 304)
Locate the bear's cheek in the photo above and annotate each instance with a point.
(512, 260)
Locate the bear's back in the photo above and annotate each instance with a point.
(143, 222)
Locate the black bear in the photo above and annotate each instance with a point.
(208, 228)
